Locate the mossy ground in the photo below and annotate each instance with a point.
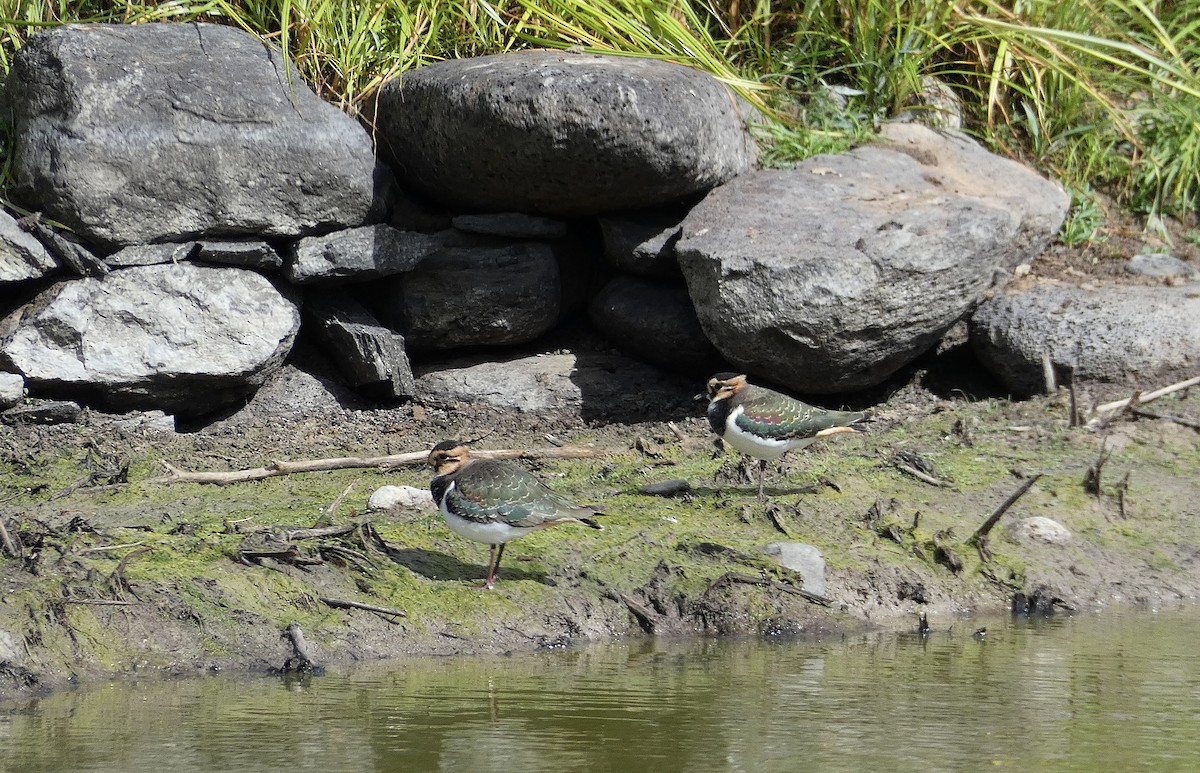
(123, 575)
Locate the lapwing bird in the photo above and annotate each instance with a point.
(765, 424)
(494, 502)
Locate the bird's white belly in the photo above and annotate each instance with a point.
(490, 533)
(756, 446)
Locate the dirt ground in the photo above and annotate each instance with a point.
(118, 574)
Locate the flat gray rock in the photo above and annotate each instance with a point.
(595, 387)
(513, 225)
(831, 276)
(151, 254)
(184, 339)
(167, 132)
(247, 253)
(1132, 335)
(554, 132)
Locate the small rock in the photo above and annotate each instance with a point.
(389, 497)
(12, 389)
(666, 488)
(802, 558)
(1160, 265)
(1039, 529)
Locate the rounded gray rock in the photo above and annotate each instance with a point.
(1120, 334)
(562, 133)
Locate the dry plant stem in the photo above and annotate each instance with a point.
(336, 503)
(1119, 404)
(982, 532)
(1095, 473)
(1050, 383)
(176, 475)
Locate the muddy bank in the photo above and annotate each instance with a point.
(119, 574)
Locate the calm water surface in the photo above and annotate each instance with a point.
(1086, 693)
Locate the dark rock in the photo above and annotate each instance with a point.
(371, 358)
(65, 248)
(593, 387)
(358, 254)
(247, 253)
(833, 275)
(554, 132)
(512, 225)
(654, 322)
(166, 132)
(43, 412)
(642, 244)
(464, 296)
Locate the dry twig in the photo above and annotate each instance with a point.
(1149, 396)
(388, 614)
(979, 538)
(176, 475)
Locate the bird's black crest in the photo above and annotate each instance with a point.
(725, 376)
(446, 445)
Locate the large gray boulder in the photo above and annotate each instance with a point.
(181, 338)
(556, 132)
(1125, 334)
(833, 275)
(158, 132)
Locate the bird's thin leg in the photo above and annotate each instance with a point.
(762, 474)
(494, 569)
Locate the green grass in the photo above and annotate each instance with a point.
(1103, 95)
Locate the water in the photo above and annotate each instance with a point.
(1087, 693)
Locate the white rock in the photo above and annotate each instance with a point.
(1039, 529)
(388, 497)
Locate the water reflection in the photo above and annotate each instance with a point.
(1086, 693)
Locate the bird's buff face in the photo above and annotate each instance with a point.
(447, 457)
(725, 385)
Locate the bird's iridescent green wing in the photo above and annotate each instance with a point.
(498, 491)
(774, 415)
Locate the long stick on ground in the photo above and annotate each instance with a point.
(982, 532)
(1142, 399)
(176, 475)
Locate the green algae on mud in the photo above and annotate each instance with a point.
(129, 577)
